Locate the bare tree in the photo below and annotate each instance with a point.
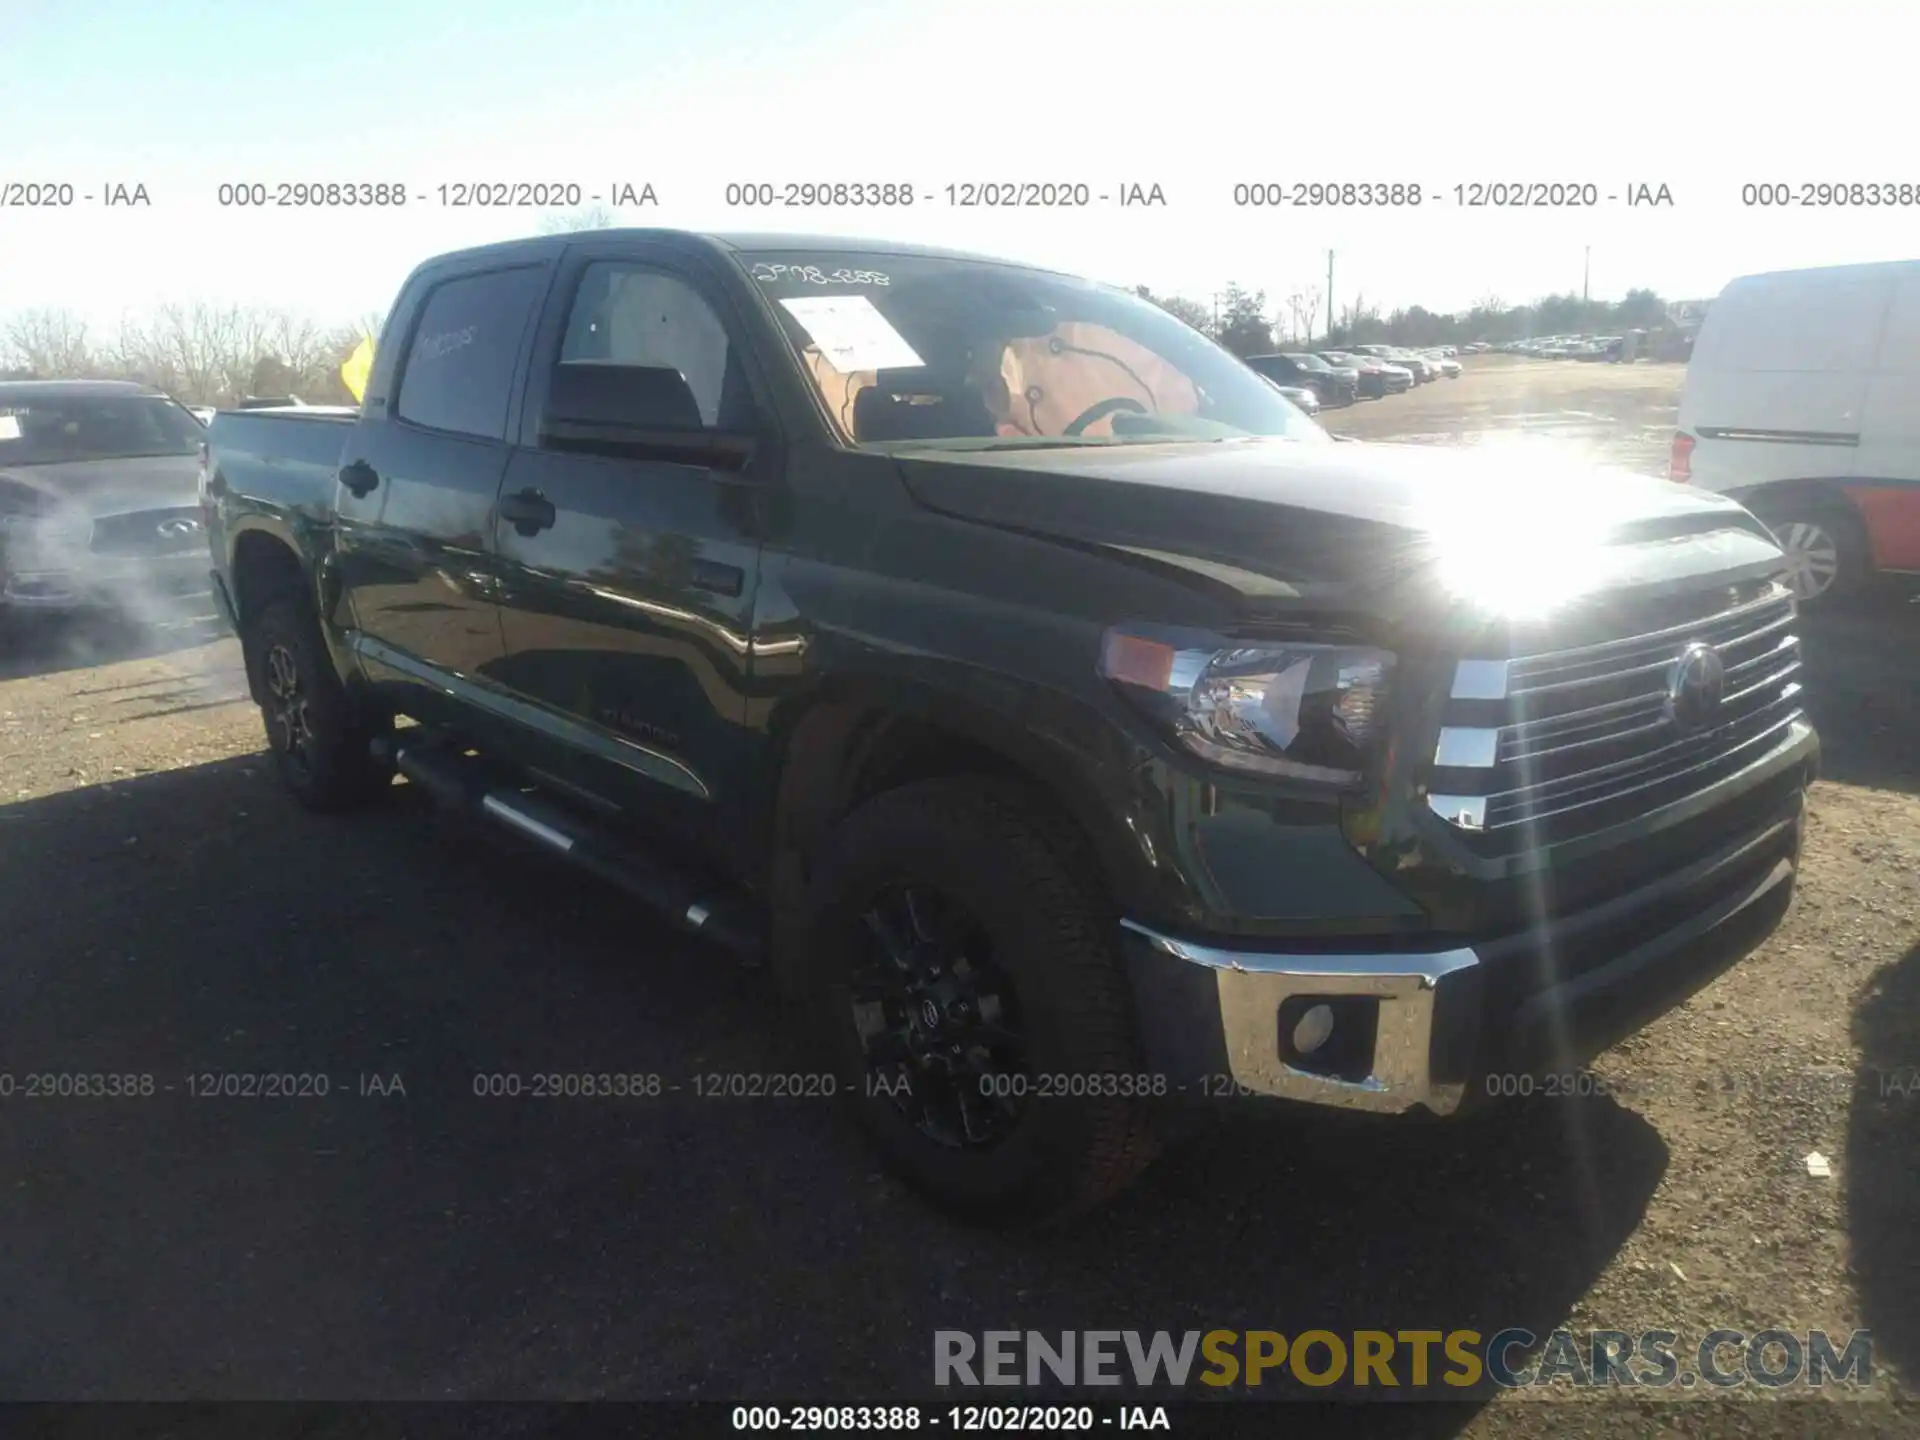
(1190, 312)
(48, 342)
(587, 217)
(1358, 318)
(218, 354)
(1303, 310)
(299, 344)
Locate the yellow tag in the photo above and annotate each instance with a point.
(357, 367)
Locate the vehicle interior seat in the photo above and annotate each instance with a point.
(910, 404)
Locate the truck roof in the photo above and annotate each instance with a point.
(733, 242)
(1866, 270)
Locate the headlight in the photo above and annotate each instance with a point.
(1296, 711)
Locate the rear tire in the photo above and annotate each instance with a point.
(1827, 555)
(1000, 925)
(321, 743)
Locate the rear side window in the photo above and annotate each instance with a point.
(459, 368)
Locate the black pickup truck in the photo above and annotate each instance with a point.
(1071, 726)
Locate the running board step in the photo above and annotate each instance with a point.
(456, 782)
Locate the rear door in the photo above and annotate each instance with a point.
(420, 474)
(627, 609)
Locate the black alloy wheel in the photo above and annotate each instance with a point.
(936, 1018)
(289, 721)
(960, 968)
(320, 740)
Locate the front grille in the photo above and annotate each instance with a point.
(1545, 746)
(173, 531)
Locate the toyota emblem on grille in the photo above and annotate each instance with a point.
(1698, 685)
(179, 527)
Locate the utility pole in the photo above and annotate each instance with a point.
(1329, 297)
(1586, 278)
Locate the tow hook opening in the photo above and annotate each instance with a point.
(1330, 1035)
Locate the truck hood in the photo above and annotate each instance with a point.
(108, 487)
(1377, 526)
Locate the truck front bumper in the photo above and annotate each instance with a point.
(1439, 1027)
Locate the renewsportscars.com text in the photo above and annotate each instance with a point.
(1391, 1360)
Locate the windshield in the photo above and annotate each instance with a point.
(52, 430)
(907, 349)
(1309, 362)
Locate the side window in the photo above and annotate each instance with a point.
(458, 373)
(625, 314)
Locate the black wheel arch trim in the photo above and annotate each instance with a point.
(1829, 495)
(827, 756)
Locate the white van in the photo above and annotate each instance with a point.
(1802, 401)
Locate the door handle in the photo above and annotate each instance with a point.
(359, 477)
(528, 511)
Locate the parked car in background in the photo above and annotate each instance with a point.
(1444, 365)
(99, 502)
(1376, 376)
(1308, 372)
(1305, 399)
(1422, 368)
(1801, 402)
(1347, 375)
(1394, 355)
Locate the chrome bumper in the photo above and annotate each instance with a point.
(1249, 990)
(1432, 1027)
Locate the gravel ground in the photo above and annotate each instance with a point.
(165, 911)
(1617, 414)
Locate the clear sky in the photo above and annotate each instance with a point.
(1194, 96)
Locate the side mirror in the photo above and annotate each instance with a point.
(640, 412)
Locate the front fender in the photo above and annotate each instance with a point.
(828, 745)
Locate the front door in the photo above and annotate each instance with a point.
(627, 600)
(418, 482)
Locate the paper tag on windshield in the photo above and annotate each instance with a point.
(9, 427)
(851, 334)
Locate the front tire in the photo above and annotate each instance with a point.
(321, 744)
(965, 981)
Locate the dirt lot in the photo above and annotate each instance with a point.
(165, 912)
(1617, 414)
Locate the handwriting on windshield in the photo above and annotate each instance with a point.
(768, 273)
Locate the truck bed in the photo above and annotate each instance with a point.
(282, 459)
